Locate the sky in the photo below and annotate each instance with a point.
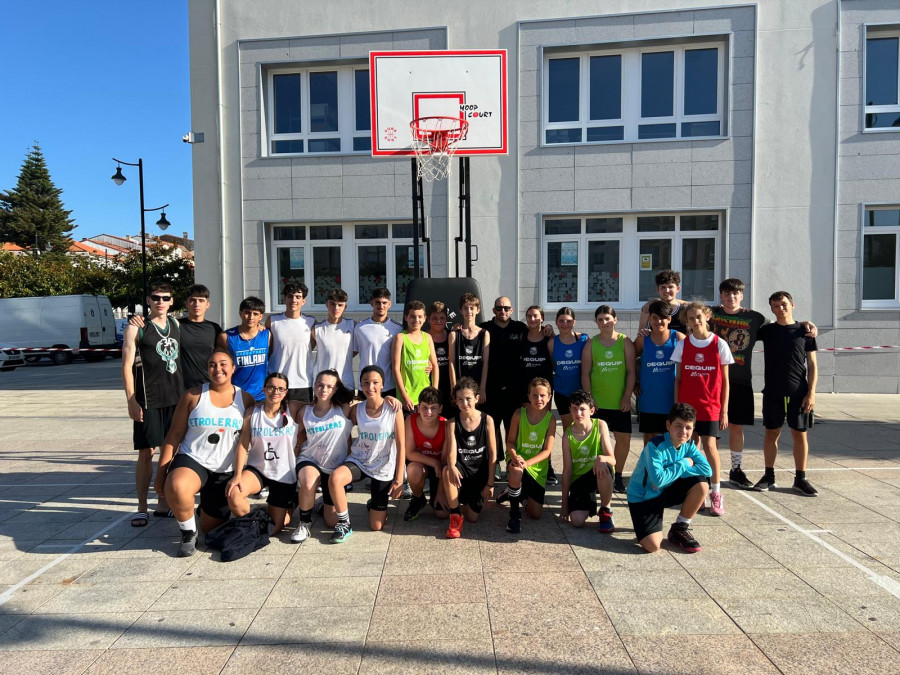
(91, 80)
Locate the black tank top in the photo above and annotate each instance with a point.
(471, 447)
(535, 362)
(470, 356)
(158, 379)
(442, 353)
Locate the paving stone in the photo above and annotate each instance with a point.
(525, 556)
(789, 615)
(561, 655)
(29, 597)
(340, 560)
(170, 661)
(186, 594)
(430, 622)
(253, 566)
(446, 560)
(463, 657)
(324, 592)
(65, 572)
(561, 617)
(650, 585)
(414, 589)
(105, 597)
(669, 616)
(55, 662)
(127, 570)
(681, 654)
(66, 631)
(322, 657)
(286, 625)
(735, 583)
(187, 628)
(828, 653)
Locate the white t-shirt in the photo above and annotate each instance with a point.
(373, 340)
(334, 345)
(291, 353)
(725, 356)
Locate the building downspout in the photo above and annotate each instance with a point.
(837, 166)
(225, 302)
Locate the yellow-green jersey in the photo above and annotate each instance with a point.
(530, 443)
(414, 359)
(584, 452)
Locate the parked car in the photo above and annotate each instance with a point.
(59, 322)
(10, 357)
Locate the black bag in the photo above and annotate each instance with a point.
(241, 536)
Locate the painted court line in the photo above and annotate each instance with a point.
(888, 584)
(7, 595)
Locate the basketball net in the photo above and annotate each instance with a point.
(434, 140)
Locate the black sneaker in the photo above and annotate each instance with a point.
(738, 478)
(188, 546)
(764, 484)
(619, 484)
(416, 504)
(680, 535)
(551, 477)
(515, 524)
(802, 486)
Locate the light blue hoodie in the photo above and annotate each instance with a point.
(661, 464)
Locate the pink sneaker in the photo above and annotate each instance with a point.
(717, 504)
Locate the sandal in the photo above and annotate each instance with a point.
(140, 519)
(163, 514)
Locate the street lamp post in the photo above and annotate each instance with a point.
(118, 178)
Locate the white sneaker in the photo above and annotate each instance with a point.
(300, 534)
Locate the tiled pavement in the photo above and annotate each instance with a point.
(784, 583)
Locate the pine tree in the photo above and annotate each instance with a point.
(34, 207)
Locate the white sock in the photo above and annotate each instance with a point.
(736, 459)
(714, 487)
(190, 524)
(682, 519)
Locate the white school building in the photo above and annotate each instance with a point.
(758, 140)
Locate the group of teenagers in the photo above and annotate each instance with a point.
(241, 411)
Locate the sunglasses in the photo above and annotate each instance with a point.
(502, 308)
(161, 298)
(276, 390)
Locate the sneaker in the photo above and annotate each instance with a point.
(407, 491)
(188, 546)
(738, 478)
(301, 533)
(551, 477)
(342, 532)
(455, 529)
(416, 504)
(619, 484)
(716, 504)
(680, 535)
(606, 524)
(764, 484)
(515, 524)
(503, 496)
(802, 486)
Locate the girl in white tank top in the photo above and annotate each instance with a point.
(212, 432)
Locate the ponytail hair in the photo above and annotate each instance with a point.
(283, 407)
(342, 395)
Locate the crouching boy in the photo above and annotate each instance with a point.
(670, 471)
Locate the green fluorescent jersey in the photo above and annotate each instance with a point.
(530, 442)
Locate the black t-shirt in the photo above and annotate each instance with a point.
(534, 361)
(786, 348)
(470, 356)
(503, 360)
(740, 331)
(198, 338)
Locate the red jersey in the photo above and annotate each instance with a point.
(701, 379)
(428, 446)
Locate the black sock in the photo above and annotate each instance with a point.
(800, 475)
(770, 472)
(456, 510)
(306, 516)
(343, 517)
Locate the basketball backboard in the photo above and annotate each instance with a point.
(469, 84)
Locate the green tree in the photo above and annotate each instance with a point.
(33, 209)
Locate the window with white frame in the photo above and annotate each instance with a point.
(613, 259)
(881, 255)
(636, 94)
(323, 110)
(882, 81)
(357, 257)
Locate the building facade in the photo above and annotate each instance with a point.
(753, 140)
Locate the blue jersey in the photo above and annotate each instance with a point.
(567, 365)
(657, 376)
(250, 361)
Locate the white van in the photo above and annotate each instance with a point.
(59, 322)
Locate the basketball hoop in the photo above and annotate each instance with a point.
(434, 140)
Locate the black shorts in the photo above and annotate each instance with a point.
(323, 480)
(741, 406)
(647, 516)
(706, 428)
(616, 420)
(471, 488)
(151, 433)
(777, 409)
(213, 501)
(281, 495)
(652, 423)
(302, 394)
(380, 490)
(562, 403)
(531, 489)
(583, 493)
